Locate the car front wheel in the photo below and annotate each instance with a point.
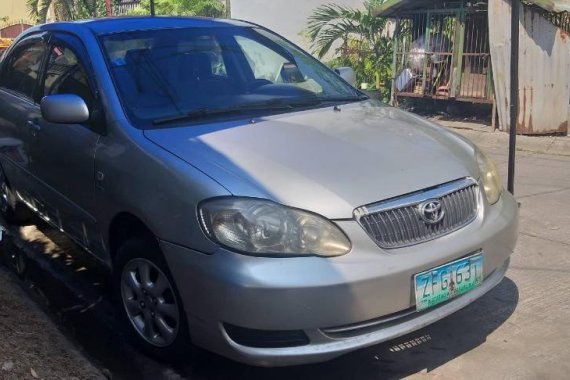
(148, 300)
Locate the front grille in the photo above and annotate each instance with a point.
(398, 222)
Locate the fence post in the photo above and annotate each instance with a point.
(457, 58)
(395, 74)
(515, 9)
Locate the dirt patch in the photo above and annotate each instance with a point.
(73, 290)
(31, 346)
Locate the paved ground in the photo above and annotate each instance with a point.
(518, 330)
(532, 342)
(497, 141)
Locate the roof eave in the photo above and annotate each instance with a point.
(555, 6)
(390, 7)
(387, 9)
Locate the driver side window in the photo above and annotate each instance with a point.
(66, 75)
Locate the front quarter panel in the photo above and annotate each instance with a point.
(133, 175)
(137, 177)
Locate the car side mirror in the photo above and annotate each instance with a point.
(348, 74)
(64, 109)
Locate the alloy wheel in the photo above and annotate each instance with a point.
(150, 303)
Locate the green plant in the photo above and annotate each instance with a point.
(89, 9)
(81, 9)
(66, 9)
(206, 8)
(357, 39)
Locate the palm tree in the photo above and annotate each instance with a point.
(334, 23)
(206, 8)
(39, 9)
(65, 9)
(228, 8)
(360, 39)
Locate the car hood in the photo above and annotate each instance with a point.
(324, 160)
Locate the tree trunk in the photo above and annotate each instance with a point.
(228, 9)
(108, 8)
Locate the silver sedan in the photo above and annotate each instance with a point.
(244, 196)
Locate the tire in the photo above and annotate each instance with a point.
(11, 210)
(154, 319)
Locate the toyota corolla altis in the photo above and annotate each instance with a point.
(245, 197)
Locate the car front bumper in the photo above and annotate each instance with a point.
(341, 304)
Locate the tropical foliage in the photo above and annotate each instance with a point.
(206, 8)
(66, 9)
(81, 9)
(356, 38)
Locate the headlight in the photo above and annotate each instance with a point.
(490, 178)
(265, 228)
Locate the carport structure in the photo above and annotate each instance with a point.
(461, 50)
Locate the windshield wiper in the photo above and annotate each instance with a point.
(203, 113)
(344, 98)
(199, 113)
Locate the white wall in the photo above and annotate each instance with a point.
(16, 10)
(285, 17)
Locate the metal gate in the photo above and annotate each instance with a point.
(443, 54)
(476, 76)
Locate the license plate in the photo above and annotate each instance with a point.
(445, 282)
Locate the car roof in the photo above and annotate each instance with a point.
(123, 24)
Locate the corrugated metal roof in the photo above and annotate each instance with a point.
(544, 64)
(553, 5)
(392, 7)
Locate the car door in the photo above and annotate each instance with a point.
(62, 155)
(19, 79)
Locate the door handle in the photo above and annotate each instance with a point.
(34, 128)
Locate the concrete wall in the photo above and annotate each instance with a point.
(286, 17)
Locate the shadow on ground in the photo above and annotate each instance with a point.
(449, 110)
(73, 288)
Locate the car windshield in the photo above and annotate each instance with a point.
(171, 75)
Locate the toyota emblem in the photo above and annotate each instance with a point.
(431, 211)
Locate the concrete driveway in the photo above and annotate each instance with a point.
(525, 321)
(518, 330)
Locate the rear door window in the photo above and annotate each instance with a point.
(22, 69)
